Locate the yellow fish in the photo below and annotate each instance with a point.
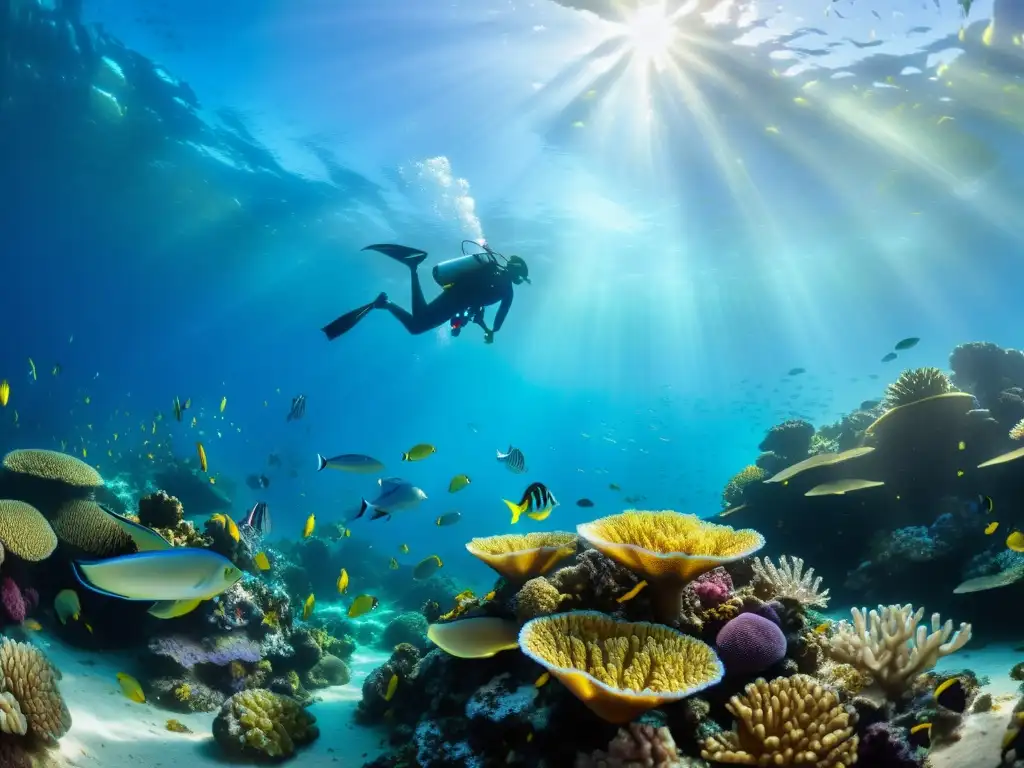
(202, 456)
(262, 561)
(170, 609)
(223, 403)
(223, 520)
(362, 604)
(822, 628)
(393, 564)
(1015, 541)
(194, 422)
(543, 514)
(458, 483)
(115, 437)
(419, 452)
(991, 528)
(85, 453)
(347, 533)
(67, 606)
(403, 548)
(307, 530)
(308, 606)
(31, 624)
(489, 596)
(153, 430)
(130, 688)
(343, 582)
(542, 680)
(632, 593)
(32, 369)
(392, 687)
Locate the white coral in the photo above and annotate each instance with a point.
(789, 580)
(888, 644)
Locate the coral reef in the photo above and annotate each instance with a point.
(263, 726)
(638, 745)
(789, 581)
(790, 440)
(736, 488)
(409, 627)
(158, 510)
(916, 384)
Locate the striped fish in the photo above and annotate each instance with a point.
(537, 502)
(514, 460)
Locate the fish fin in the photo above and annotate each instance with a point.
(515, 509)
(411, 257)
(172, 609)
(501, 455)
(322, 462)
(81, 577)
(363, 506)
(346, 322)
(390, 483)
(379, 513)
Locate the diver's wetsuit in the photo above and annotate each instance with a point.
(477, 290)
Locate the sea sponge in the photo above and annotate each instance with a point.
(789, 721)
(537, 597)
(750, 643)
(888, 645)
(668, 549)
(24, 531)
(916, 384)
(30, 677)
(11, 718)
(619, 669)
(732, 495)
(518, 558)
(264, 726)
(159, 510)
(85, 527)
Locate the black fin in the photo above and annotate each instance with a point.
(363, 506)
(346, 322)
(411, 257)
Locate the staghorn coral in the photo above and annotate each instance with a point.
(86, 527)
(668, 549)
(732, 494)
(537, 597)
(29, 676)
(24, 531)
(888, 645)
(159, 510)
(916, 384)
(789, 721)
(619, 669)
(518, 558)
(789, 581)
(638, 746)
(750, 643)
(261, 725)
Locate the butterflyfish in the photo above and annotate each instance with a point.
(361, 605)
(130, 688)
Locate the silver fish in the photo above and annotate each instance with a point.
(513, 460)
(298, 409)
(350, 462)
(395, 494)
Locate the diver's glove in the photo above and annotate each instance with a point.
(488, 337)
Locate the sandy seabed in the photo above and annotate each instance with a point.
(111, 731)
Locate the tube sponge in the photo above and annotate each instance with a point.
(619, 669)
(789, 721)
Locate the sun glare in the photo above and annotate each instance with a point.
(651, 32)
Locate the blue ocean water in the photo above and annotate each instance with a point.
(187, 189)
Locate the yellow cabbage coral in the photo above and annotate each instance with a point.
(54, 466)
(83, 525)
(24, 531)
(523, 557)
(538, 597)
(620, 669)
(668, 550)
(259, 724)
(789, 721)
(29, 676)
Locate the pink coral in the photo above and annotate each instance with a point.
(11, 600)
(713, 588)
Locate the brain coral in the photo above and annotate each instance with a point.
(262, 725)
(619, 669)
(29, 676)
(84, 525)
(750, 643)
(24, 531)
(52, 465)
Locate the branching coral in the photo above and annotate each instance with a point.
(888, 644)
(732, 495)
(789, 721)
(916, 384)
(619, 669)
(790, 581)
(668, 549)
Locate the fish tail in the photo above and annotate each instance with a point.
(322, 462)
(363, 506)
(405, 457)
(515, 509)
(500, 454)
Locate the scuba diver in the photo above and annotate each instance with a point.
(470, 282)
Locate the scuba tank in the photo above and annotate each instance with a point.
(447, 273)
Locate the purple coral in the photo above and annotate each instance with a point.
(884, 746)
(750, 643)
(713, 588)
(220, 651)
(11, 599)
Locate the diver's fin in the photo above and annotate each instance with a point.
(346, 322)
(411, 257)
